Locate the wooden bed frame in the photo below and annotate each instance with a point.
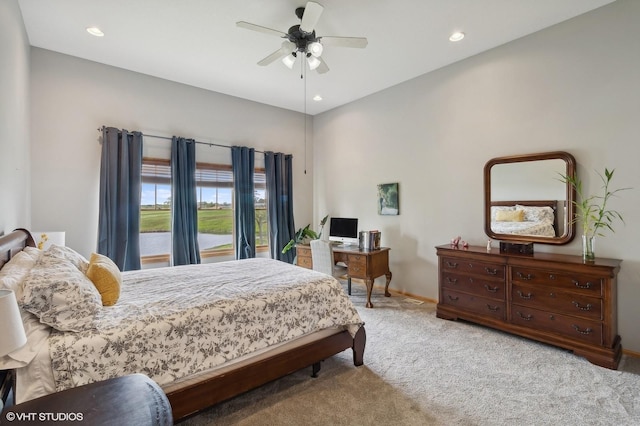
(203, 393)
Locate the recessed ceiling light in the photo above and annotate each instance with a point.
(95, 31)
(457, 36)
(317, 98)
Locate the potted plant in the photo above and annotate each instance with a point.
(304, 235)
(592, 211)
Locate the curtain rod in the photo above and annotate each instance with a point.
(210, 144)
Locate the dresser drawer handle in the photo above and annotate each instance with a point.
(581, 307)
(577, 283)
(452, 298)
(491, 289)
(524, 296)
(525, 317)
(491, 271)
(585, 331)
(452, 280)
(452, 264)
(493, 308)
(522, 276)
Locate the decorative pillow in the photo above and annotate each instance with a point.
(58, 293)
(509, 216)
(537, 214)
(62, 252)
(106, 276)
(496, 209)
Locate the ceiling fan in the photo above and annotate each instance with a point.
(301, 40)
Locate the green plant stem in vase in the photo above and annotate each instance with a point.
(592, 211)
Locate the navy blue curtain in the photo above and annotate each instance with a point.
(120, 189)
(184, 202)
(242, 161)
(279, 175)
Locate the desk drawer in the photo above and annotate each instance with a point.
(357, 265)
(305, 262)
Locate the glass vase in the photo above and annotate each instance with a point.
(588, 247)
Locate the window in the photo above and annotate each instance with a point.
(214, 186)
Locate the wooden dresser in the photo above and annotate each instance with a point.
(552, 298)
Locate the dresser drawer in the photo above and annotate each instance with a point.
(573, 327)
(586, 284)
(472, 303)
(471, 284)
(548, 298)
(472, 266)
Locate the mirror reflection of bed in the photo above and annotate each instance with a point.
(534, 202)
(528, 217)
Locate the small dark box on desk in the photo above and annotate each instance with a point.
(517, 247)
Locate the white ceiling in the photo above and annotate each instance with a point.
(196, 42)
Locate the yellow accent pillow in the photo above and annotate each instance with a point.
(106, 276)
(510, 215)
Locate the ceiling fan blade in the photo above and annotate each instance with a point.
(259, 28)
(357, 42)
(322, 68)
(287, 48)
(312, 12)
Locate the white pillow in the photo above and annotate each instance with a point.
(62, 252)
(58, 293)
(12, 276)
(15, 270)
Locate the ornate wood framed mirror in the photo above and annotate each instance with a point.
(527, 200)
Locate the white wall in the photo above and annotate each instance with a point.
(72, 97)
(573, 87)
(14, 119)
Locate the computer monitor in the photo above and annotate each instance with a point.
(343, 230)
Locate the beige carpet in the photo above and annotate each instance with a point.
(421, 370)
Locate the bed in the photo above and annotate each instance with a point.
(202, 344)
(539, 218)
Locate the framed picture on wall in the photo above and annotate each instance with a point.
(388, 202)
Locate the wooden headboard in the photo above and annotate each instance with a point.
(13, 243)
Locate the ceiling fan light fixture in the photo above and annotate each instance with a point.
(289, 60)
(315, 48)
(313, 62)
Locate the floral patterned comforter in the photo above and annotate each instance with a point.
(544, 229)
(174, 322)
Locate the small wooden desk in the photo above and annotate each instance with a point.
(364, 264)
